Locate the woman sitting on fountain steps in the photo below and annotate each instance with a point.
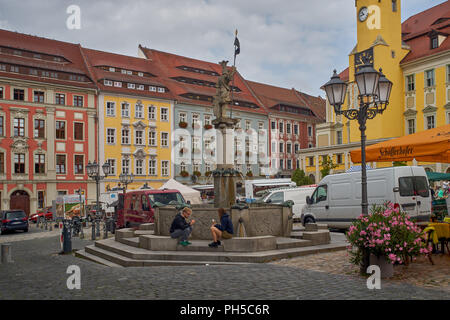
(180, 228)
(223, 230)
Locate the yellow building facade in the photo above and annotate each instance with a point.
(420, 97)
(135, 135)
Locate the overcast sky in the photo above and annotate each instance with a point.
(287, 43)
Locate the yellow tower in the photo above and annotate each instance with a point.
(379, 43)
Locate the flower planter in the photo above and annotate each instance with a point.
(386, 267)
(208, 126)
(182, 124)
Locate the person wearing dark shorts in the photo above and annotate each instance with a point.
(224, 230)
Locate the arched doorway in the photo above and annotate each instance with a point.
(20, 200)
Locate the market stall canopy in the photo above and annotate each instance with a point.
(431, 145)
(437, 176)
(188, 193)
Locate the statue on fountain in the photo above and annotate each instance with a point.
(223, 97)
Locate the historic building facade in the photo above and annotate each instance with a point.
(292, 117)
(136, 119)
(192, 83)
(47, 119)
(415, 56)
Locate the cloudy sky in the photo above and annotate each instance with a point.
(287, 43)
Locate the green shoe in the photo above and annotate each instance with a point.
(188, 242)
(184, 243)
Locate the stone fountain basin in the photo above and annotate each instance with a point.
(257, 220)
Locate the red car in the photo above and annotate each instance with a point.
(46, 212)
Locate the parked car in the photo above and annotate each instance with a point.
(337, 199)
(139, 206)
(41, 214)
(12, 220)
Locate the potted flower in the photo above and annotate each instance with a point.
(208, 126)
(388, 235)
(184, 173)
(197, 173)
(182, 124)
(208, 173)
(249, 174)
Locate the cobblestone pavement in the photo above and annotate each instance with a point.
(39, 272)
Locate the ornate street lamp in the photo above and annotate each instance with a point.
(93, 172)
(374, 92)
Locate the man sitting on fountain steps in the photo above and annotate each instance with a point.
(180, 228)
(223, 230)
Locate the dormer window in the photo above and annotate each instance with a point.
(434, 42)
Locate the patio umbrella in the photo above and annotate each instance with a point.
(431, 145)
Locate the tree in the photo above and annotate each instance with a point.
(327, 165)
(299, 177)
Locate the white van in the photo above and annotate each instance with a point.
(297, 195)
(337, 199)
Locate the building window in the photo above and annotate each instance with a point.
(60, 129)
(131, 86)
(117, 84)
(39, 163)
(411, 126)
(2, 162)
(410, 83)
(41, 199)
(78, 131)
(273, 125)
(164, 168)
(288, 128)
(2, 126)
(19, 163)
(1, 92)
(207, 119)
(394, 5)
(108, 83)
(434, 42)
(161, 90)
(60, 164)
(339, 158)
(152, 138)
(139, 139)
(182, 116)
(296, 148)
(338, 137)
(296, 129)
(19, 127)
(152, 167)
(310, 161)
(78, 101)
(60, 98)
(152, 113)
(274, 147)
(309, 131)
(110, 109)
(139, 111)
(112, 166)
(281, 150)
(164, 139)
(288, 148)
(111, 136)
(429, 78)
(19, 94)
(430, 122)
(152, 88)
(164, 114)
(125, 136)
(125, 110)
(281, 164)
(79, 164)
(281, 127)
(39, 128)
(247, 124)
(289, 164)
(139, 167)
(62, 192)
(14, 69)
(38, 96)
(448, 74)
(125, 166)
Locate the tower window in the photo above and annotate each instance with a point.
(394, 5)
(434, 42)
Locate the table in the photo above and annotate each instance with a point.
(447, 219)
(439, 231)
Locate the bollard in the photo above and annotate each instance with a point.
(67, 242)
(46, 225)
(93, 230)
(82, 231)
(6, 253)
(97, 232)
(105, 229)
(51, 226)
(37, 222)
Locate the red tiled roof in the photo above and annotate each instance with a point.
(272, 96)
(344, 75)
(415, 31)
(69, 51)
(95, 58)
(168, 64)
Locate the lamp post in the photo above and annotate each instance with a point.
(125, 179)
(93, 171)
(374, 92)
